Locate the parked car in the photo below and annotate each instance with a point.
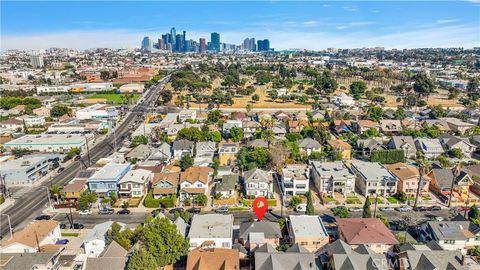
(62, 242)
(221, 210)
(355, 209)
(387, 209)
(404, 208)
(77, 158)
(123, 212)
(178, 209)
(106, 211)
(435, 208)
(85, 212)
(301, 207)
(194, 210)
(61, 169)
(43, 217)
(63, 226)
(77, 226)
(158, 211)
(420, 208)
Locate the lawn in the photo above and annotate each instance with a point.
(248, 203)
(329, 199)
(353, 200)
(372, 200)
(229, 201)
(114, 98)
(66, 234)
(392, 199)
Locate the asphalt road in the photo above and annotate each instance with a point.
(32, 202)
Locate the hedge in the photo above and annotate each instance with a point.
(248, 203)
(151, 202)
(387, 156)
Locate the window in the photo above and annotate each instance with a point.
(93, 186)
(136, 185)
(451, 242)
(111, 185)
(199, 185)
(226, 244)
(136, 193)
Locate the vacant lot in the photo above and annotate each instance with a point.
(114, 98)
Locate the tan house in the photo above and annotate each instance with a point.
(42, 233)
(42, 111)
(194, 181)
(165, 184)
(370, 232)
(308, 231)
(408, 178)
(74, 189)
(343, 147)
(227, 152)
(363, 125)
(213, 259)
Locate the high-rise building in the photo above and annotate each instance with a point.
(173, 34)
(215, 42)
(161, 44)
(178, 43)
(185, 45)
(249, 44)
(203, 45)
(36, 60)
(263, 45)
(147, 44)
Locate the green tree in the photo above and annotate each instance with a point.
(201, 199)
(59, 110)
(249, 159)
(167, 96)
(236, 134)
(357, 89)
(123, 238)
(424, 86)
(474, 213)
(162, 240)
(375, 113)
(472, 89)
(294, 201)
(191, 133)
(437, 111)
(86, 199)
(367, 213)
(255, 98)
(341, 212)
(214, 136)
(56, 190)
(104, 75)
(371, 132)
(399, 114)
(273, 94)
(456, 153)
(310, 209)
(141, 259)
(74, 151)
(139, 139)
(384, 220)
(186, 162)
(213, 116)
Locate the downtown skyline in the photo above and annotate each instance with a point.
(306, 25)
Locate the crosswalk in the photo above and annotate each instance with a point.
(19, 193)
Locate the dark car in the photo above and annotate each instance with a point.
(435, 208)
(179, 209)
(77, 158)
(62, 242)
(63, 226)
(77, 226)
(221, 210)
(194, 210)
(106, 211)
(158, 211)
(60, 169)
(123, 212)
(43, 217)
(420, 208)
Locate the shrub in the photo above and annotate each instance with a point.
(387, 156)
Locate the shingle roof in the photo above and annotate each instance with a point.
(271, 230)
(228, 182)
(196, 173)
(213, 258)
(364, 231)
(28, 236)
(309, 143)
(268, 258)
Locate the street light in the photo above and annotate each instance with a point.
(9, 225)
(48, 196)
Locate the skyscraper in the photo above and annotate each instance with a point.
(36, 60)
(147, 44)
(215, 42)
(184, 42)
(173, 35)
(263, 45)
(203, 45)
(249, 44)
(178, 43)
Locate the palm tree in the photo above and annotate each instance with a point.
(267, 134)
(423, 167)
(56, 191)
(456, 173)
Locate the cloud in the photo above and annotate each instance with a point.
(350, 8)
(446, 21)
(461, 35)
(310, 23)
(353, 24)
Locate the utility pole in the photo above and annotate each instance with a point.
(456, 173)
(9, 225)
(48, 196)
(88, 151)
(375, 208)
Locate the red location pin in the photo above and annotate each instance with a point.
(260, 206)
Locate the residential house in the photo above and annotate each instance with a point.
(12, 124)
(441, 124)
(182, 226)
(453, 235)
(296, 257)
(33, 238)
(20, 261)
(135, 183)
(229, 124)
(250, 127)
(182, 148)
(308, 145)
(341, 255)
(227, 187)
(408, 178)
(113, 257)
(257, 143)
(296, 126)
(369, 145)
(308, 231)
(332, 177)
(281, 116)
(32, 121)
(194, 181)
(405, 143)
(343, 147)
(422, 257)
(165, 184)
(227, 152)
(295, 179)
(318, 115)
(140, 153)
(42, 111)
(370, 232)
(96, 240)
(258, 183)
(343, 100)
(187, 114)
(279, 130)
(107, 178)
(211, 231)
(256, 233)
(450, 142)
(204, 153)
(458, 125)
(373, 178)
(431, 148)
(203, 258)
(163, 153)
(390, 127)
(342, 126)
(72, 191)
(441, 182)
(363, 125)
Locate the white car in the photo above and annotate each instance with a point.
(301, 207)
(404, 208)
(85, 212)
(386, 209)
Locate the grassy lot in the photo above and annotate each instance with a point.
(392, 199)
(353, 200)
(238, 209)
(329, 199)
(248, 203)
(114, 98)
(134, 202)
(229, 201)
(66, 234)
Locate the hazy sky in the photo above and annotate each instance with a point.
(310, 25)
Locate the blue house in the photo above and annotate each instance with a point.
(106, 179)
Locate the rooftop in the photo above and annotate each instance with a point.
(211, 226)
(307, 226)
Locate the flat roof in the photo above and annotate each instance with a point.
(110, 171)
(307, 226)
(211, 226)
(48, 139)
